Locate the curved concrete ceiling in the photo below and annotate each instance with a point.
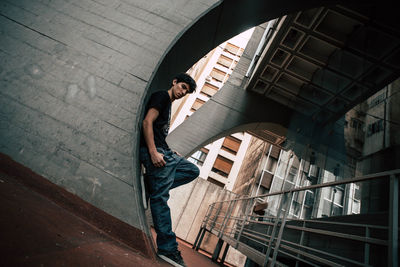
(221, 22)
(323, 61)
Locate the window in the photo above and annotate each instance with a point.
(199, 156)
(266, 179)
(375, 127)
(271, 164)
(379, 99)
(356, 124)
(308, 205)
(297, 201)
(333, 201)
(281, 169)
(225, 61)
(275, 151)
(213, 181)
(197, 104)
(233, 49)
(277, 184)
(209, 90)
(292, 174)
(356, 197)
(218, 75)
(231, 144)
(222, 166)
(309, 200)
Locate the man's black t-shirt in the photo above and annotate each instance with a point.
(162, 102)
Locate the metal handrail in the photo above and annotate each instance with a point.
(230, 221)
(328, 184)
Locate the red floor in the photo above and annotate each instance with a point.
(35, 231)
(191, 257)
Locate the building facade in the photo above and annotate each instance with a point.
(369, 130)
(220, 161)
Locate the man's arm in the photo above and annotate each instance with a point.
(156, 157)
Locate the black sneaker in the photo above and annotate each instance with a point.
(173, 258)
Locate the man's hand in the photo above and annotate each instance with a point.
(157, 159)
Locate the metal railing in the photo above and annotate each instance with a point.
(320, 241)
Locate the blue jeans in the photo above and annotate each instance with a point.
(177, 171)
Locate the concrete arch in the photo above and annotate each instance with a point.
(275, 128)
(233, 107)
(224, 21)
(255, 127)
(237, 111)
(220, 22)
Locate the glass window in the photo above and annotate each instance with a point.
(288, 186)
(271, 165)
(295, 209)
(375, 127)
(356, 124)
(199, 157)
(309, 199)
(357, 192)
(276, 184)
(355, 199)
(333, 201)
(282, 165)
(328, 176)
(380, 98)
(337, 210)
(338, 196)
(356, 207)
(292, 174)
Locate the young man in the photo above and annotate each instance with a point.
(165, 169)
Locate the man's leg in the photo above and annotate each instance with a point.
(159, 195)
(159, 182)
(185, 173)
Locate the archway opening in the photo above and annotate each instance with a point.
(332, 165)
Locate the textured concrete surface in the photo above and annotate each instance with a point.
(121, 231)
(73, 77)
(35, 231)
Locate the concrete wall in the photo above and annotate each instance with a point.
(74, 75)
(190, 204)
(251, 167)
